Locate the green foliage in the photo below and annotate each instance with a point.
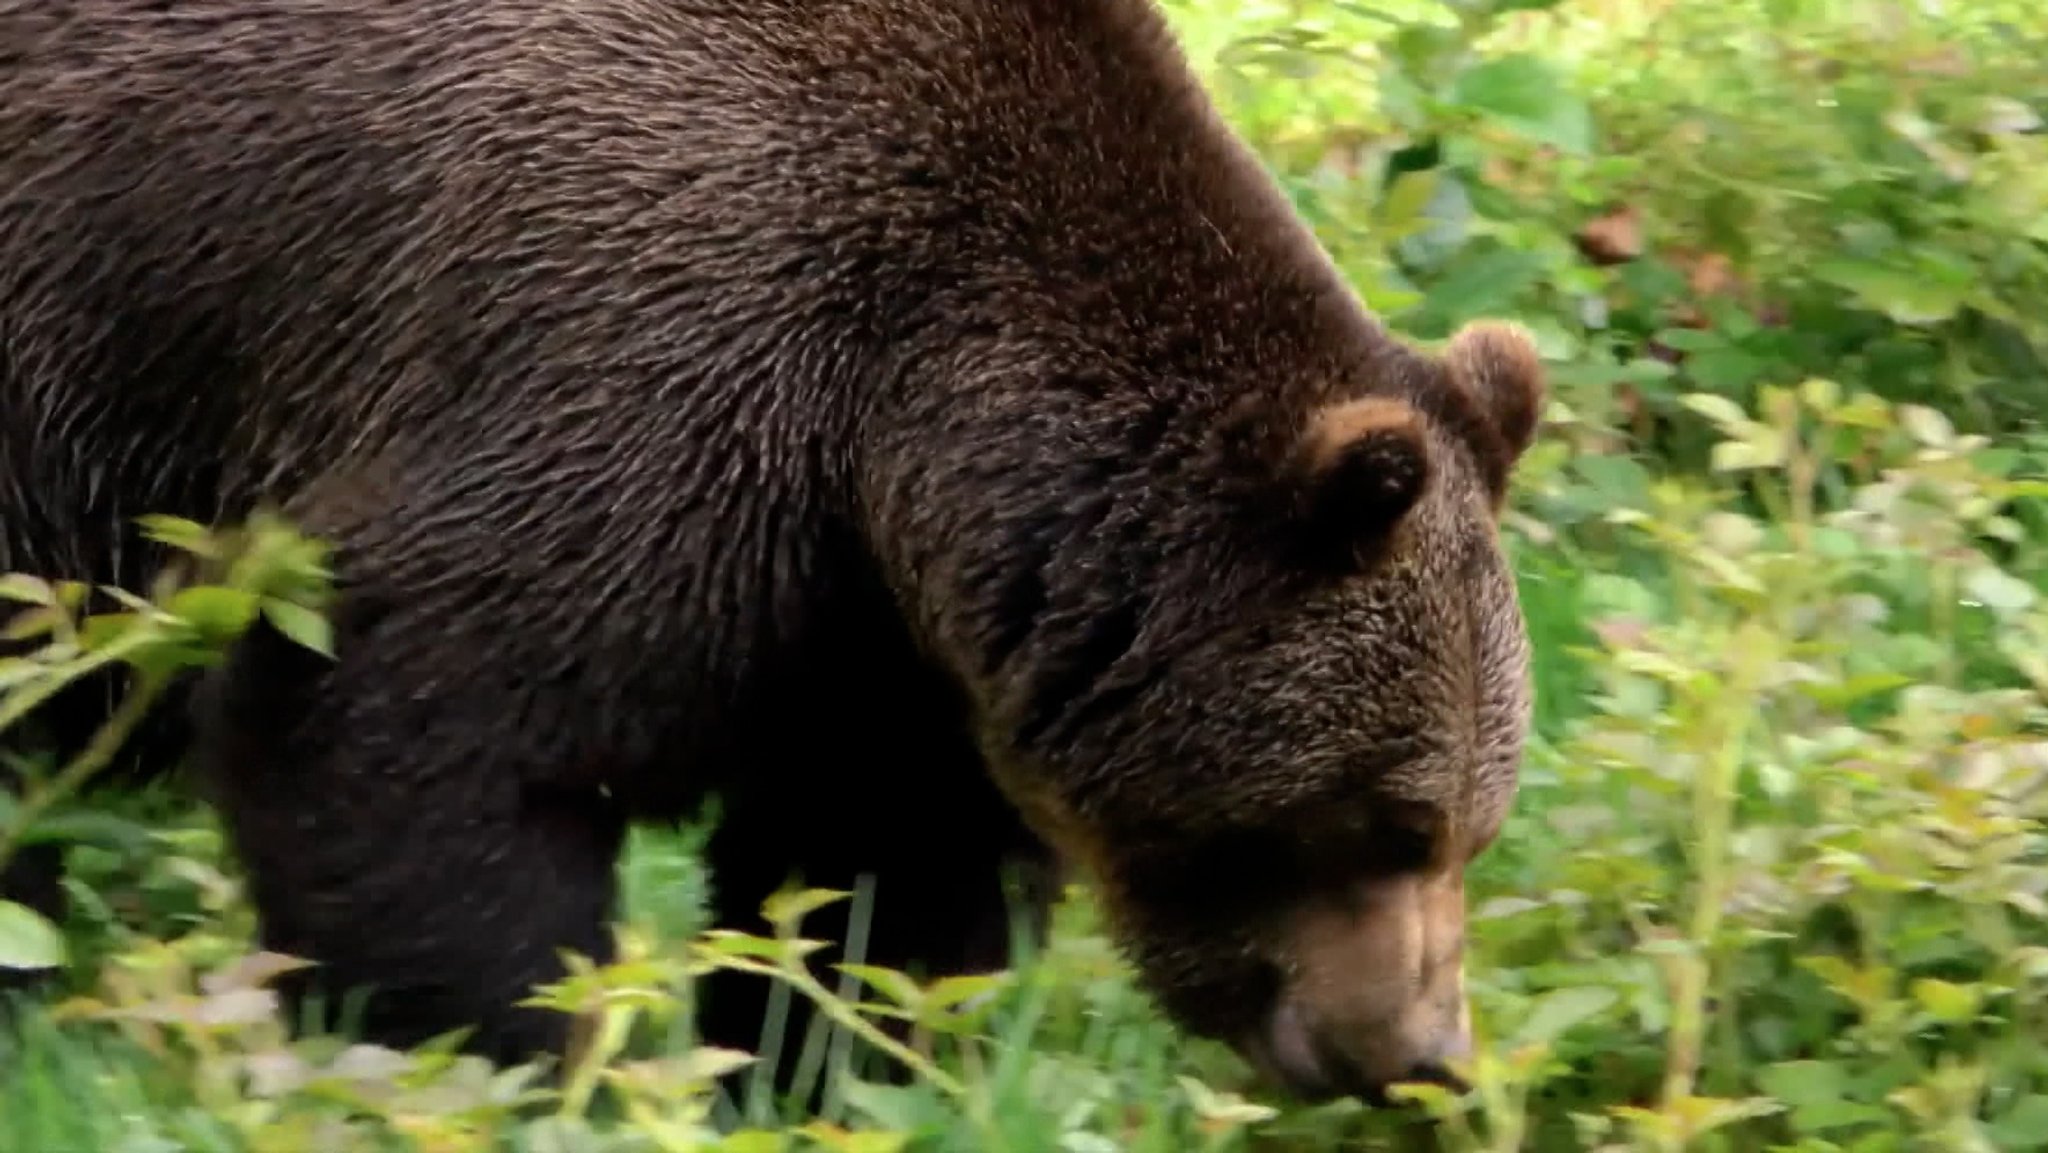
(263, 568)
(1677, 195)
(1777, 879)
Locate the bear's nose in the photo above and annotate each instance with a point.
(1312, 1068)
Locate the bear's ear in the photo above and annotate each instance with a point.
(1363, 464)
(1497, 363)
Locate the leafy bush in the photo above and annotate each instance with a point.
(1777, 878)
(1678, 196)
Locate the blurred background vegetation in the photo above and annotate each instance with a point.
(1777, 879)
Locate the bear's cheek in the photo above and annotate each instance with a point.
(1212, 981)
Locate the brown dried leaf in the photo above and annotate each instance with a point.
(1614, 238)
(1712, 275)
(252, 971)
(237, 1007)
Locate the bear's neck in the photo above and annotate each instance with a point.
(1052, 520)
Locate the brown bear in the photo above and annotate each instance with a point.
(920, 424)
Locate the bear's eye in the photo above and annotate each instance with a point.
(1401, 847)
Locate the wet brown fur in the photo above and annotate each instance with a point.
(855, 409)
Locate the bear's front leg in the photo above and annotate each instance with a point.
(879, 789)
(390, 835)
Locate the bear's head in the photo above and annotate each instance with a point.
(1280, 809)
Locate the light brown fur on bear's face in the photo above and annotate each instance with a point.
(1283, 819)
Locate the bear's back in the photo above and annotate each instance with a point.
(245, 242)
(240, 239)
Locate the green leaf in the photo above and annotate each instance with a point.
(1716, 408)
(902, 1108)
(1823, 1116)
(1483, 284)
(1999, 590)
(1224, 1108)
(950, 991)
(102, 629)
(1803, 1082)
(27, 939)
(786, 909)
(1821, 394)
(1844, 693)
(1405, 206)
(891, 984)
(87, 826)
(1525, 95)
(218, 614)
(34, 623)
(301, 624)
(1727, 367)
(832, 1137)
(1611, 594)
(1760, 449)
(1927, 425)
(25, 589)
(1619, 481)
(1692, 340)
(22, 701)
(1558, 1011)
(179, 533)
(1946, 1001)
(1901, 294)
(726, 943)
(2024, 1126)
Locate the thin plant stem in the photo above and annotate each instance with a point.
(851, 1020)
(87, 764)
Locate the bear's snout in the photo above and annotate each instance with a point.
(1306, 1058)
(1375, 992)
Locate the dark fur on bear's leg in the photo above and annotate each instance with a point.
(35, 877)
(434, 897)
(950, 915)
(930, 930)
(950, 868)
